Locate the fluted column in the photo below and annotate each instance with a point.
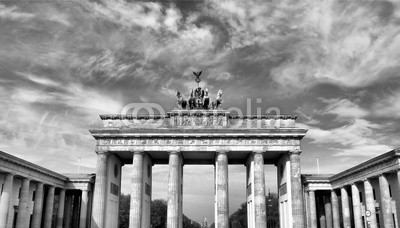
(370, 203)
(5, 199)
(48, 216)
(83, 215)
(307, 202)
(335, 209)
(23, 218)
(297, 190)
(60, 211)
(345, 208)
(174, 185)
(321, 210)
(328, 212)
(98, 210)
(75, 212)
(38, 206)
(386, 208)
(135, 215)
(260, 213)
(221, 194)
(68, 210)
(355, 195)
(313, 209)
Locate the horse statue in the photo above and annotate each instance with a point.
(217, 104)
(192, 100)
(198, 95)
(181, 102)
(206, 100)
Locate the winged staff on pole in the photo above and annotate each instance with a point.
(198, 98)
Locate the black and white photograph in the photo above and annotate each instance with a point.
(199, 114)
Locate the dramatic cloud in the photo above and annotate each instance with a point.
(334, 63)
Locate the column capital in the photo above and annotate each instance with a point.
(102, 152)
(174, 152)
(137, 152)
(10, 174)
(258, 151)
(295, 152)
(222, 151)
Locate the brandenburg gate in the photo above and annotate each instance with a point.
(197, 137)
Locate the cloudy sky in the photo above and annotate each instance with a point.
(336, 64)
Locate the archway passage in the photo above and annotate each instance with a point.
(192, 137)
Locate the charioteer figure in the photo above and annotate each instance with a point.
(199, 98)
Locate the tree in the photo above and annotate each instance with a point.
(188, 223)
(239, 218)
(158, 217)
(124, 207)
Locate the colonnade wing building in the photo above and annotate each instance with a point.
(366, 195)
(32, 196)
(197, 137)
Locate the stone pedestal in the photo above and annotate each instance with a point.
(5, 199)
(313, 210)
(60, 212)
(335, 210)
(174, 212)
(345, 208)
(23, 217)
(370, 203)
(84, 206)
(221, 190)
(355, 195)
(48, 214)
(135, 215)
(386, 208)
(297, 191)
(98, 215)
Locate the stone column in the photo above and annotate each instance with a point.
(345, 208)
(307, 202)
(174, 185)
(48, 216)
(60, 212)
(68, 210)
(75, 212)
(370, 203)
(386, 208)
(260, 213)
(355, 195)
(23, 218)
(5, 199)
(321, 210)
(335, 209)
(135, 215)
(84, 206)
(297, 190)
(98, 210)
(328, 212)
(38, 206)
(313, 209)
(221, 194)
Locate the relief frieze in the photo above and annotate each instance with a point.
(198, 142)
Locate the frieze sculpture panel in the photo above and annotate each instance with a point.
(196, 142)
